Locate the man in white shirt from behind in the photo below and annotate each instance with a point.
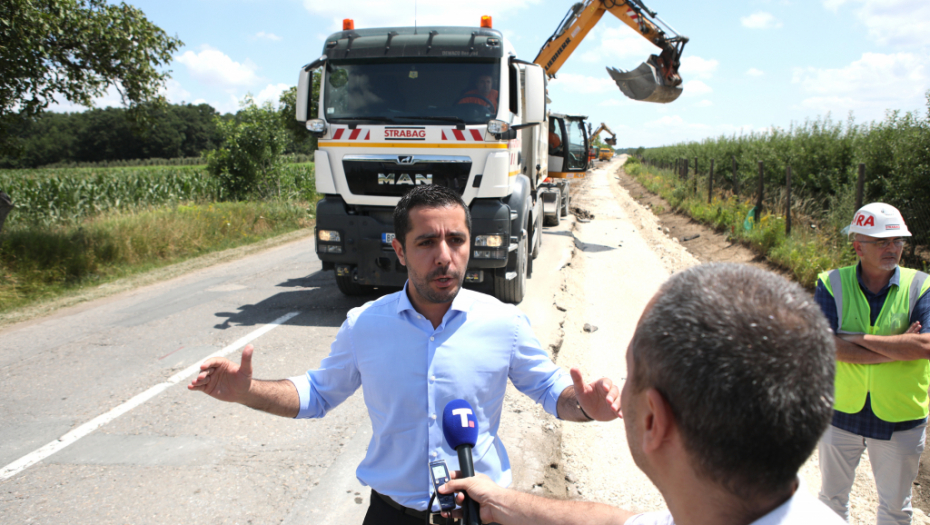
(729, 387)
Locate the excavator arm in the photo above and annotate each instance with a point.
(656, 80)
(603, 127)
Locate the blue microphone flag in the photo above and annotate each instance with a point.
(459, 425)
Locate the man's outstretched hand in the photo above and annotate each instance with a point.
(600, 399)
(224, 380)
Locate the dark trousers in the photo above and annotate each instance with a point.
(381, 512)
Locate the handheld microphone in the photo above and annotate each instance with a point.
(460, 428)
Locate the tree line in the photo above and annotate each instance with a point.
(113, 134)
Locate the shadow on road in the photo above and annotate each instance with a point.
(315, 296)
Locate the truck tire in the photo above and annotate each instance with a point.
(351, 288)
(553, 220)
(566, 202)
(513, 290)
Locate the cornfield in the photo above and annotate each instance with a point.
(50, 196)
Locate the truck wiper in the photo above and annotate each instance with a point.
(445, 119)
(378, 118)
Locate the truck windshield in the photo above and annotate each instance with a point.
(407, 91)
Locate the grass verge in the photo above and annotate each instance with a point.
(40, 263)
(806, 253)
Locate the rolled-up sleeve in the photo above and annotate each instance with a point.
(532, 370)
(336, 379)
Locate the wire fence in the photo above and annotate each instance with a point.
(800, 208)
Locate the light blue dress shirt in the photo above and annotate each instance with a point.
(411, 370)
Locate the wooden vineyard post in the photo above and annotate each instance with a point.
(788, 204)
(710, 182)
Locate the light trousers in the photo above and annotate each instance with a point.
(894, 465)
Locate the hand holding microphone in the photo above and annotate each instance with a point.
(460, 428)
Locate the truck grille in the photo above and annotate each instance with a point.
(393, 175)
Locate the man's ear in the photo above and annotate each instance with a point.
(659, 424)
(399, 250)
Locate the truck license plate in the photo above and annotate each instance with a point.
(386, 238)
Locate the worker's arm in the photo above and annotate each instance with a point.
(224, 380)
(849, 352)
(908, 346)
(509, 507)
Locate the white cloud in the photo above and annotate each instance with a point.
(753, 72)
(174, 92)
(214, 68)
(581, 84)
(704, 104)
(378, 13)
(695, 88)
(619, 43)
(760, 20)
(110, 98)
(695, 66)
(900, 23)
(611, 102)
(868, 86)
(267, 36)
(271, 93)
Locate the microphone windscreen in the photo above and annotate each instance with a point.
(459, 425)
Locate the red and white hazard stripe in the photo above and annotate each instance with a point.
(468, 135)
(353, 135)
(632, 14)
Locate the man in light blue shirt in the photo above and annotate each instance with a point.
(415, 351)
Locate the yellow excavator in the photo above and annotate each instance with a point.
(603, 127)
(655, 80)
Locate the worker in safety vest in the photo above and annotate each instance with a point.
(483, 94)
(880, 314)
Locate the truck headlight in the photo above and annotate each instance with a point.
(491, 241)
(328, 236)
(496, 126)
(316, 126)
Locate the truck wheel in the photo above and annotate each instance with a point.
(553, 219)
(566, 201)
(513, 290)
(351, 288)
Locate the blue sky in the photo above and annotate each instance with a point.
(750, 65)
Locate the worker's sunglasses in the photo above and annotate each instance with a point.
(884, 243)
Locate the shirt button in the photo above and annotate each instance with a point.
(433, 417)
(419, 317)
(432, 338)
(432, 379)
(433, 454)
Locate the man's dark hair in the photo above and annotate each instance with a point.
(428, 196)
(745, 359)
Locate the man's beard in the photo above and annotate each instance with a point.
(437, 297)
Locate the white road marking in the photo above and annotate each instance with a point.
(38, 455)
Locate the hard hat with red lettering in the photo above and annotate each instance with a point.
(879, 220)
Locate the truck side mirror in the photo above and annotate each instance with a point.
(535, 98)
(305, 89)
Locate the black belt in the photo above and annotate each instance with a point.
(421, 514)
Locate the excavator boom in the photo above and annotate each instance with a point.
(655, 80)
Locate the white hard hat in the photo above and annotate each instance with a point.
(879, 220)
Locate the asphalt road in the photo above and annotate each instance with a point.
(99, 427)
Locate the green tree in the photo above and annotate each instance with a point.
(76, 49)
(249, 160)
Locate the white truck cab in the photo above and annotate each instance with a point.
(400, 107)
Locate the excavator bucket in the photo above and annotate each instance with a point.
(611, 141)
(645, 84)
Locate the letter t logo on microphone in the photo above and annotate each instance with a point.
(464, 413)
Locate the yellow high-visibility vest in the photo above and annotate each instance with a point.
(898, 389)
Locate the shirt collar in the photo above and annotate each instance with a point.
(462, 303)
(895, 279)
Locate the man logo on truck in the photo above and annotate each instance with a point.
(405, 160)
(418, 179)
